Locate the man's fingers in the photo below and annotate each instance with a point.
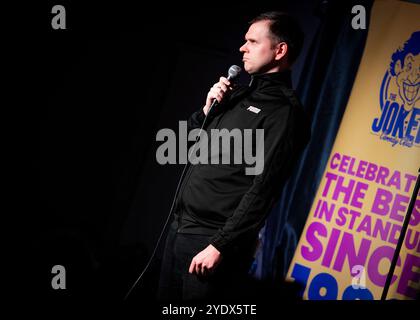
(203, 270)
(206, 270)
(197, 268)
(192, 266)
(218, 90)
(221, 86)
(225, 81)
(216, 94)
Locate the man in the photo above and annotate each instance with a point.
(219, 209)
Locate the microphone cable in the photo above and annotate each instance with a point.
(233, 73)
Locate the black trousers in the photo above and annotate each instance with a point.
(228, 282)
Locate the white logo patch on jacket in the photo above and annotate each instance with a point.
(253, 109)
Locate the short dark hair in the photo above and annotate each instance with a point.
(284, 27)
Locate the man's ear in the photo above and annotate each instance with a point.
(281, 50)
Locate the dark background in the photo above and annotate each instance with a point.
(110, 81)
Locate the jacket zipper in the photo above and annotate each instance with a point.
(189, 172)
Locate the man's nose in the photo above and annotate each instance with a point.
(243, 48)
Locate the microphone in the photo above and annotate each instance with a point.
(233, 73)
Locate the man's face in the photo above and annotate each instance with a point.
(259, 52)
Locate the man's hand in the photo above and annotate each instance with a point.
(217, 92)
(205, 261)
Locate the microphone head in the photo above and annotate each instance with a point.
(233, 72)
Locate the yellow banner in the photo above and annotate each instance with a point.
(348, 242)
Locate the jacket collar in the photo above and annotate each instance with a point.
(282, 78)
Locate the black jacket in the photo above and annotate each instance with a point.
(220, 199)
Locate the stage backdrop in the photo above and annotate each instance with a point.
(353, 226)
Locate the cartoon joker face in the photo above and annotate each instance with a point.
(408, 79)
